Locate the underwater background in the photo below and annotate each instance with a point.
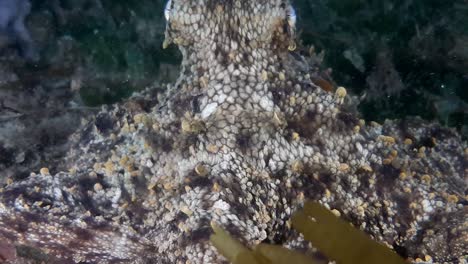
(399, 58)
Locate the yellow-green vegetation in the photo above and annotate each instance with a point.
(237, 253)
(338, 240)
(332, 236)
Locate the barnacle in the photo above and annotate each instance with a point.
(201, 170)
(264, 75)
(44, 171)
(190, 125)
(295, 136)
(281, 76)
(297, 166)
(340, 94)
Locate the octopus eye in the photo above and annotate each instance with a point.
(291, 16)
(167, 10)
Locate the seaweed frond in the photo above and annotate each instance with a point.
(338, 240)
(332, 236)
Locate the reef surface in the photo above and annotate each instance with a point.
(242, 139)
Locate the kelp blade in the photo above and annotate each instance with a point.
(338, 240)
(281, 255)
(236, 253)
(332, 236)
(226, 245)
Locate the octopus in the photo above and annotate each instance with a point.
(240, 140)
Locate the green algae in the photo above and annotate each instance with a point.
(237, 253)
(332, 236)
(338, 240)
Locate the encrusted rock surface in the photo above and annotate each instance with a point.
(242, 139)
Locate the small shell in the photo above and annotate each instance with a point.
(340, 94)
(281, 76)
(201, 170)
(295, 136)
(44, 171)
(297, 166)
(264, 75)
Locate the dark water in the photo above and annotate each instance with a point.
(408, 57)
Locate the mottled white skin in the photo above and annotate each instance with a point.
(241, 139)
